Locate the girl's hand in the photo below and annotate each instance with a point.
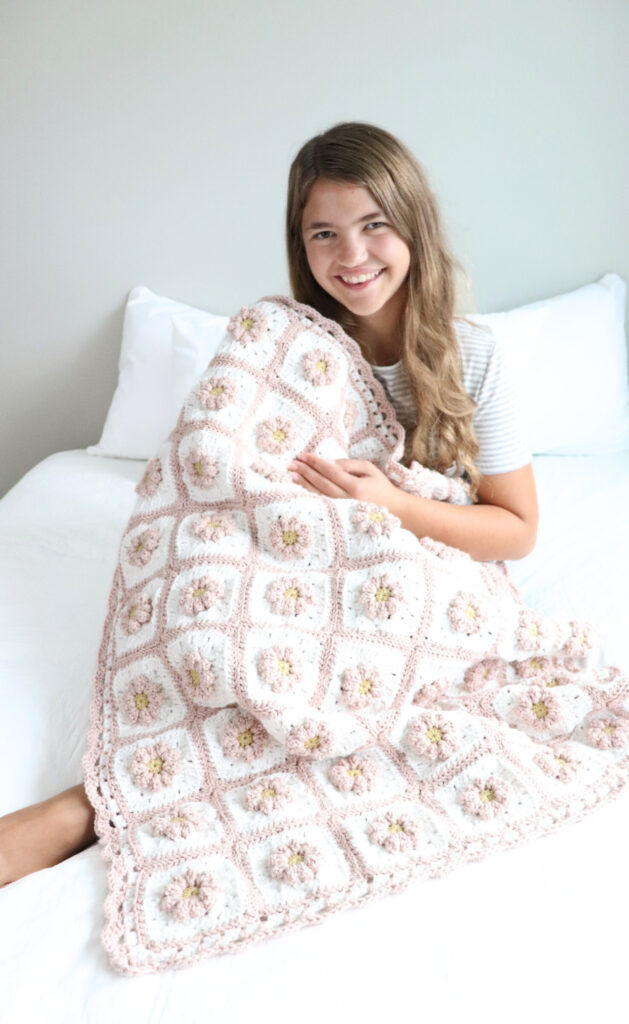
(345, 478)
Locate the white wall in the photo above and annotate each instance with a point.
(148, 142)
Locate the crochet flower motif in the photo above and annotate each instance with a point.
(310, 739)
(216, 393)
(213, 527)
(267, 795)
(289, 596)
(431, 693)
(280, 668)
(539, 709)
(486, 797)
(582, 641)
(433, 737)
(201, 594)
(532, 631)
(191, 894)
(290, 536)
(199, 676)
(244, 738)
(142, 701)
(374, 520)
(201, 467)
(608, 732)
(276, 435)
(537, 668)
(443, 551)
(381, 596)
(269, 472)
(156, 766)
(181, 821)
(397, 833)
(491, 670)
(361, 686)
(559, 761)
(353, 774)
(247, 326)
(466, 613)
(320, 367)
(296, 862)
(137, 613)
(151, 480)
(141, 548)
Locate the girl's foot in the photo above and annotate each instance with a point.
(44, 834)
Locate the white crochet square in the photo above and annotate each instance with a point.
(367, 608)
(322, 397)
(231, 415)
(187, 781)
(258, 354)
(165, 494)
(573, 704)
(386, 781)
(292, 683)
(154, 846)
(304, 524)
(172, 709)
(190, 582)
(141, 545)
(228, 767)
(300, 429)
(148, 598)
(332, 870)
(468, 733)
(231, 902)
(231, 545)
(206, 455)
(430, 837)
(301, 806)
(215, 648)
(385, 661)
(314, 615)
(359, 544)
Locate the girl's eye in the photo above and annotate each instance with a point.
(323, 235)
(376, 224)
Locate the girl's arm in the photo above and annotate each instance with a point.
(503, 525)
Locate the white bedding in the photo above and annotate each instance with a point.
(505, 939)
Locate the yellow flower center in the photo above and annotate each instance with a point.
(486, 796)
(296, 858)
(195, 678)
(540, 709)
(292, 593)
(140, 546)
(383, 594)
(178, 820)
(218, 390)
(132, 610)
(376, 517)
(283, 667)
(354, 771)
(582, 640)
(268, 792)
(609, 729)
(155, 765)
(312, 743)
(560, 760)
(213, 523)
(535, 663)
(321, 365)
(289, 537)
(247, 323)
(534, 629)
(191, 890)
(279, 435)
(365, 686)
(396, 827)
(198, 592)
(553, 682)
(470, 611)
(245, 738)
(141, 701)
(434, 734)
(198, 468)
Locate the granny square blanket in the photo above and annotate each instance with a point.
(299, 705)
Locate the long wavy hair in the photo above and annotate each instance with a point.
(362, 154)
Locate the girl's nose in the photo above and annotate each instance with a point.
(351, 251)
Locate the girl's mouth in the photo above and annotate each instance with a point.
(358, 282)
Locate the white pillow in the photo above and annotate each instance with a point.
(568, 361)
(153, 378)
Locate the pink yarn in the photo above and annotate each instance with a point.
(433, 737)
(353, 774)
(290, 537)
(310, 739)
(156, 766)
(142, 701)
(201, 468)
(198, 675)
(361, 686)
(295, 862)
(216, 393)
(268, 795)
(140, 549)
(151, 479)
(280, 668)
(381, 596)
(490, 670)
(190, 894)
(213, 527)
(539, 709)
(486, 798)
(289, 596)
(276, 436)
(374, 520)
(248, 326)
(182, 821)
(320, 367)
(467, 614)
(244, 738)
(137, 613)
(397, 833)
(201, 594)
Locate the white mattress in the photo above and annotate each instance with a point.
(528, 934)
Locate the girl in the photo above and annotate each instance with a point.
(366, 249)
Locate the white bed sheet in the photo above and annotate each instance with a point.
(535, 933)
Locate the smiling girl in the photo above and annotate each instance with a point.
(366, 249)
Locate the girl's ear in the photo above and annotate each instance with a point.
(464, 301)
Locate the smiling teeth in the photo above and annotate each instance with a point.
(360, 278)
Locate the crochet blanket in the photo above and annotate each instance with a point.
(299, 705)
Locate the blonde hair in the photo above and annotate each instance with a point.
(363, 154)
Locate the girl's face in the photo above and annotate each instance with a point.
(354, 252)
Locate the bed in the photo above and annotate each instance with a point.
(534, 931)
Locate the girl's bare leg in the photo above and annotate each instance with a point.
(44, 834)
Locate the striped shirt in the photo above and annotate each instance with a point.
(497, 423)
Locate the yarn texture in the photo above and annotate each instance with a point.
(299, 705)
